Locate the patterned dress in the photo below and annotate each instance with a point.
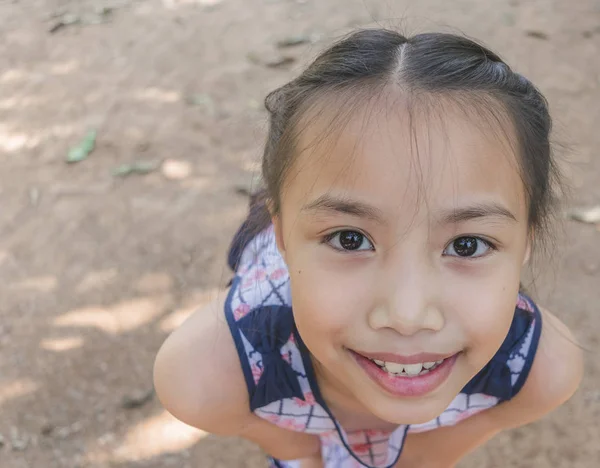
(281, 380)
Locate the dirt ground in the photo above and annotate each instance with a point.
(96, 269)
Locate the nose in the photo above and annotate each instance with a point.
(408, 305)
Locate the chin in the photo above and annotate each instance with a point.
(408, 412)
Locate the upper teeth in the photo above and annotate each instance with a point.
(407, 369)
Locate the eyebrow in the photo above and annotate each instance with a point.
(482, 210)
(334, 204)
(330, 203)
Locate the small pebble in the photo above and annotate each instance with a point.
(292, 41)
(279, 62)
(586, 215)
(137, 399)
(18, 442)
(243, 191)
(174, 169)
(34, 196)
(537, 35)
(64, 432)
(47, 429)
(271, 60)
(106, 439)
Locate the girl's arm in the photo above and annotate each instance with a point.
(199, 380)
(555, 375)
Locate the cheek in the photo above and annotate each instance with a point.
(485, 313)
(326, 304)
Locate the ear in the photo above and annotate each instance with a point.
(278, 227)
(528, 250)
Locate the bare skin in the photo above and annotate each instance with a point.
(410, 293)
(217, 401)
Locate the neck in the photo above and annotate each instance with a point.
(349, 411)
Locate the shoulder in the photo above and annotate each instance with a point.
(197, 373)
(199, 379)
(554, 377)
(558, 367)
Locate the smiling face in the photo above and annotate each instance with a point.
(403, 256)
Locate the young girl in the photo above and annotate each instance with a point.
(375, 318)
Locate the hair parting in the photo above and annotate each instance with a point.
(424, 68)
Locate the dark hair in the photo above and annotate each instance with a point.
(433, 64)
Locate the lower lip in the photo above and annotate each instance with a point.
(407, 386)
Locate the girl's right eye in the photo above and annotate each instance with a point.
(349, 241)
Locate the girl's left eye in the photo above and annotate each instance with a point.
(468, 247)
(349, 241)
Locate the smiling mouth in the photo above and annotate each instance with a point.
(402, 379)
(407, 370)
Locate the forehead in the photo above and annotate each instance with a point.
(398, 156)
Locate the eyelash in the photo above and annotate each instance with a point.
(329, 237)
(491, 245)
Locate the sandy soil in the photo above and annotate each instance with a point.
(96, 270)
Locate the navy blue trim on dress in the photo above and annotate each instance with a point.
(275, 462)
(314, 385)
(237, 339)
(535, 340)
(268, 328)
(495, 379)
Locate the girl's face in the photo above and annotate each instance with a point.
(405, 247)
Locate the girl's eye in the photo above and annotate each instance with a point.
(468, 246)
(349, 241)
